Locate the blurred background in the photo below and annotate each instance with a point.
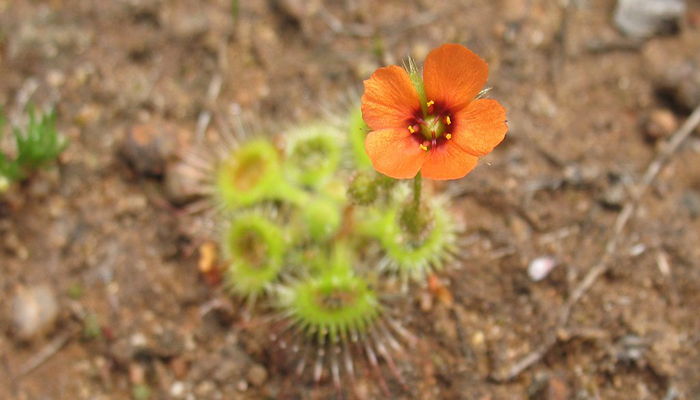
(579, 281)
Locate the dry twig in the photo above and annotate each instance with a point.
(205, 116)
(605, 262)
(45, 353)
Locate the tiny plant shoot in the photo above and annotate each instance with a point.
(318, 224)
(37, 145)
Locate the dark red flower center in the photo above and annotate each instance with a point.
(432, 129)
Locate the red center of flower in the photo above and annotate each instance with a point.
(433, 129)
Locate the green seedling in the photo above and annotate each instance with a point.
(37, 145)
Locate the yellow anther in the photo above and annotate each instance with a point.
(448, 121)
(448, 136)
(430, 103)
(422, 146)
(410, 129)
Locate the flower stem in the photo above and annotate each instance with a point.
(411, 218)
(417, 186)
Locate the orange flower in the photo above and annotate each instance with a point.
(446, 140)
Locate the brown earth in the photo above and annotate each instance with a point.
(103, 236)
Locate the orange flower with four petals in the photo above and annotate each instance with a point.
(445, 135)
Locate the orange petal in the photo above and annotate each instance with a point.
(394, 152)
(390, 99)
(453, 76)
(480, 127)
(448, 161)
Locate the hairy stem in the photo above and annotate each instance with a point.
(412, 219)
(417, 186)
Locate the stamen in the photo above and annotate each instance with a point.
(430, 103)
(423, 147)
(410, 129)
(448, 121)
(449, 135)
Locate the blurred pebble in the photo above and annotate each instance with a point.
(682, 82)
(14, 245)
(691, 201)
(540, 267)
(187, 24)
(34, 311)
(478, 339)
(660, 124)
(88, 114)
(647, 18)
(364, 68)
(179, 367)
(181, 183)
(266, 44)
(614, 196)
(298, 10)
(55, 78)
(630, 348)
(137, 375)
(227, 370)
(168, 344)
(557, 389)
(420, 50)
(177, 390)
(148, 147)
(207, 389)
(579, 175)
(546, 388)
(425, 301)
(542, 105)
(257, 375)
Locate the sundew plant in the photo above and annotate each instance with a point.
(316, 228)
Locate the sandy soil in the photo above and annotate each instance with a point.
(105, 237)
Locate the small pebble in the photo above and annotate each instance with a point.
(257, 375)
(206, 389)
(55, 78)
(660, 124)
(647, 18)
(179, 367)
(615, 196)
(542, 105)
(137, 375)
(177, 390)
(426, 301)
(148, 147)
(478, 339)
(182, 184)
(540, 268)
(691, 201)
(34, 311)
(557, 389)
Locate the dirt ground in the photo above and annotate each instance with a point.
(104, 235)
